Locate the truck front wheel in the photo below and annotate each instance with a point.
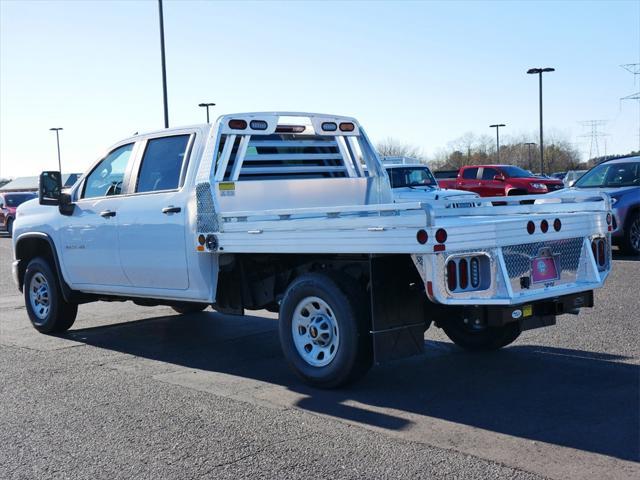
(323, 331)
(474, 337)
(46, 307)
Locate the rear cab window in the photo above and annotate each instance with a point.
(162, 164)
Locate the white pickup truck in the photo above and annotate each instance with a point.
(293, 213)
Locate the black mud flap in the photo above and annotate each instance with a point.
(397, 308)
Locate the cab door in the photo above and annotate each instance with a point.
(489, 186)
(89, 236)
(151, 230)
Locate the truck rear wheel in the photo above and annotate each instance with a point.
(323, 331)
(46, 307)
(480, 337)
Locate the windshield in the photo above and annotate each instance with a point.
(611, 175)
(15, 199)
(515, 172)
(411, 177)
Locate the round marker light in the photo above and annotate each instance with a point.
(531, 227)
(557, 224)
(441, 235)
(422, 236)
(544, 226)
(237, 124)
(201, 239)
(609, 219)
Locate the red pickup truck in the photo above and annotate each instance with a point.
(499, 181)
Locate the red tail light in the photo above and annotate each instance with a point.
(441, 235)
(237, 124)
(601, 257)
(544, 226)
(557, 224)
(463, 273)
(422, 236)
(531, 227)
(452, 281)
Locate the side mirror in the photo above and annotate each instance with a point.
(499, 178)
(50, 188)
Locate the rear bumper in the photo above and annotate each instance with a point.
(528, 315)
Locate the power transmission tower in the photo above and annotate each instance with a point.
(634, 69)
(594, 133)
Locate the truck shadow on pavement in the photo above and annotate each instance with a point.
(578, 399)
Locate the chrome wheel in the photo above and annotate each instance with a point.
(315, 331)
(39, 296)
(634, 234)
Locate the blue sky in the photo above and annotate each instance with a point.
(421, 72)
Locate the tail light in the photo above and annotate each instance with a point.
(237, 124)
(600, 250)
(544, 226)
(452, 280)
(468, 273)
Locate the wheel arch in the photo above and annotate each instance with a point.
(36, 244)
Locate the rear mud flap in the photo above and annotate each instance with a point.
(398, 305)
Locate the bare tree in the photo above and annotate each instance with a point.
(391, 147)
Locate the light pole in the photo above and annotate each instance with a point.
(57, 130)
(529, 145)
(497, 127)
(207, 105)
(540, 71)
(164, 67)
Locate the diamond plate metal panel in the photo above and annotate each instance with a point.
(518, 259)
(207, 219)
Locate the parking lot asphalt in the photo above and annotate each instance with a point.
(135, 392)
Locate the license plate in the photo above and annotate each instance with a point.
(544, 269)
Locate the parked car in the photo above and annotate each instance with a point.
(9, 201)
(500, 181)
(621, 180)
(275, 211)
(414, 182)
(572, 176)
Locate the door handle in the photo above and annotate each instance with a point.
(108, 213)
(171, 209)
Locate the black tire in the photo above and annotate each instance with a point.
(631, 242)
(480, 338)
(189, 307)
(61, 314)
(10, 226)
(353, 354)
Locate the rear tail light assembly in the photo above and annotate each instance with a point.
(468, 273)
(600, 250)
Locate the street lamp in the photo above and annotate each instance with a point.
(529, 145)
(57, 130)
(539, 72)
(497, 127)
(207, 105)
(164, 66)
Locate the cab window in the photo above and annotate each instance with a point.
(106, 179)
(162, 164)
(489, 173)
(470, 173)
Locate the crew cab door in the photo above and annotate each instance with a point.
(89, 236)
(151, 230)
(468, 180)
(489, 186)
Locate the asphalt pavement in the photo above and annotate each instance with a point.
(135, 392)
